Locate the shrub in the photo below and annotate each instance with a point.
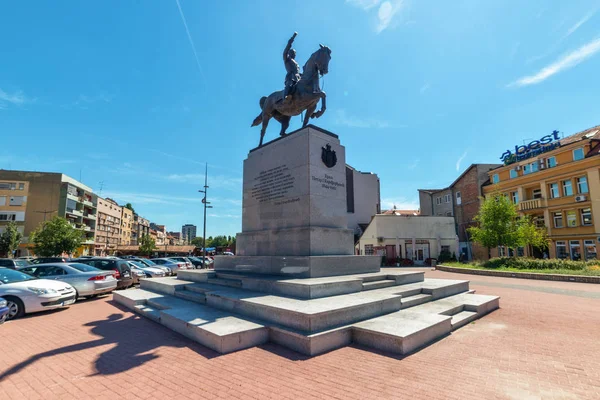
(533, 263)
(446, 256)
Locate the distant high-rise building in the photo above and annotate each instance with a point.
(188, 232)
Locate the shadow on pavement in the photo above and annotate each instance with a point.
(132, 343)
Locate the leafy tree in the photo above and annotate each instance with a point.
(10, 239)
(55, 237)
(499, 224)
(129, 206)
(147, 245)
(197, 241)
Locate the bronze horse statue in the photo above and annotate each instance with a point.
(305, 97)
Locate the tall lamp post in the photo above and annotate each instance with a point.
(206, 205)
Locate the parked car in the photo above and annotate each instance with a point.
(196, 262)
(26, 294)
(185, 260)
(173, 265)
(150, 272)
(136, 274)
(228, 253)
(46, 260)
(121, 267)
(149, 263)
(88, 281)
(3, 310)
(13, 263)
(26, 258)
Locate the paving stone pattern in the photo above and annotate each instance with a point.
(541, 344)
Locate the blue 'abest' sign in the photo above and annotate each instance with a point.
(523, 152)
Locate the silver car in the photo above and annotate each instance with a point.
(173, 265)
(150, 272)
(152, 264)
(88, 281)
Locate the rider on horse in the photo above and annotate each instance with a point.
(291, 66)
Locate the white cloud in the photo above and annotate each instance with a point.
(216, 181)
(579, 23)
(364, 4)
(401, 203)
(158, 198)
(569, 60)
(424, 88)
(342, 118)
(460, 159)
(17, 98)
(190, 39)
(387, 11)
(414, 164)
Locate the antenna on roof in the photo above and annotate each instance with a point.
(101, 187)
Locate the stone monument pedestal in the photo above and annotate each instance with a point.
(294, 218)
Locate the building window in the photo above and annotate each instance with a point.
(554, 191)
(21, 186)
(536, 193)
(561, 249)
(551, 161)
(567, 188)
(438, 201)
(2, 200)
(447, 198)
(8, 185)
(515, 197)
(458, 199)
(575, 250)
(571, 219)
(590, 249)
(513, 173)
(582, 186)
(8, 217)
(448, 213)
(368, 249)
(529, 168)
(558, 220)
(501, 251)
(495, 178)
(578, 154)
(586, 217)
(17, 200)
(520, 251)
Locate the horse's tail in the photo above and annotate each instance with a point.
(258, 119)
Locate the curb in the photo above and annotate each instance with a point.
(522, 275)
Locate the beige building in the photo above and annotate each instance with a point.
(51, 194)
(13, 206)
(412, 237)
(126, 226)
(363, 199)
(108, 232)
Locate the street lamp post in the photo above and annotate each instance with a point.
(206, 205)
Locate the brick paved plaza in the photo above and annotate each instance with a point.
(543, 343)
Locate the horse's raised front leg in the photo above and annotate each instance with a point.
(323, 106)
(309, 112)
(265, 123)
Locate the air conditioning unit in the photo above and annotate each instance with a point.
(542, 164)
(518, 168)
(580, 198)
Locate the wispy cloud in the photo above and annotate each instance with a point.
(401, 203)
(159, 198)
(567, 61)
(191, 41)
(460, 159)
(216, 181)
(578, 24)
(342, 118)
(424, 88)
(386, 12)
(17, 98)
(84, 101)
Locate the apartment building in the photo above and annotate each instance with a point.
(436, 202)
(557, 182)
(143, 226)
(13, 204)
(108, 229)
(50, 194)
(188, 232)
(126, 226)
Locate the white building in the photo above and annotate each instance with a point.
(363, 198)
(408, 236)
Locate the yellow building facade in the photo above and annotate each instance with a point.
(557, 182)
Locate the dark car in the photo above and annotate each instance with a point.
(196, 262)
(121, 267)
(49, 260)
(13, 263)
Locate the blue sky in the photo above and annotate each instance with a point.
(124, 93)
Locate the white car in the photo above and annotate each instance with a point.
(26, 294)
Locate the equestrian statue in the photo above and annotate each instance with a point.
(301, 93)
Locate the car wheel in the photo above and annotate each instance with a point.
(3, 318)
(16, 309)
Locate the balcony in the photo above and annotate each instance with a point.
(89, 216)
(88, 241)
(75, 212)
(534, 204)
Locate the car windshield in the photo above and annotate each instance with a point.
(159, 262)
(138, 264)
(83, 267)
(11, 276)
(21, 263)
(148, 262)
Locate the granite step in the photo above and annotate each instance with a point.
(463, 318)
(148, 312)
(234, 283)
(378, 284)
(190, 295)
(415, 300)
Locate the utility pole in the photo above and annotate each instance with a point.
(45, 212)
(206, 205)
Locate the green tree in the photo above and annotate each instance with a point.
(129, 206)
(10, 239)
(147, 245)
(197, 241)
(499, 224)
(55, 237)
